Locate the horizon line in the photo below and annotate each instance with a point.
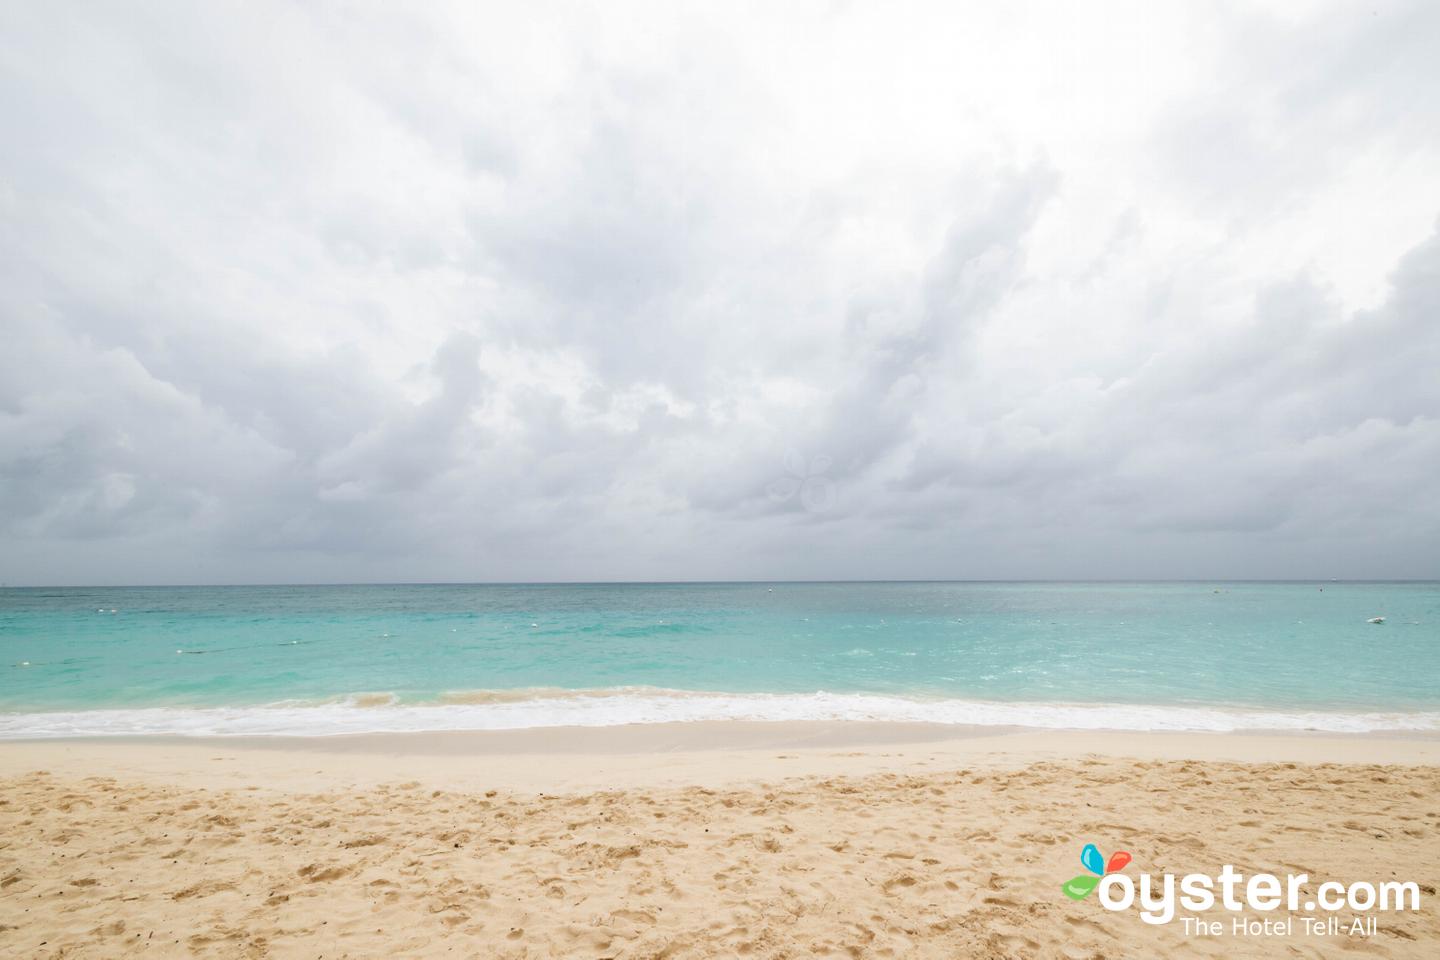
(662, 583)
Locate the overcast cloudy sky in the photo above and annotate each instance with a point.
(334, 292)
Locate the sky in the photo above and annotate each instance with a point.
(345, 292)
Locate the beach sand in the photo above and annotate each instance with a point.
(697, 840)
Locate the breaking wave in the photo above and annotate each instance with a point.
(381, 712)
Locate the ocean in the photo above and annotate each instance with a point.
(247, 660)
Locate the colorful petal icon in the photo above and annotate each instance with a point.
(1078, 888)
(1092, 859)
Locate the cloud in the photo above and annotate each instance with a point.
(362, 294)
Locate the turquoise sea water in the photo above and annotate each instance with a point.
(328, 659)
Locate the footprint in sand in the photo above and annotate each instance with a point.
(314, 873)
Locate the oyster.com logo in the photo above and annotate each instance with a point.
(1078, 888)
(1160, 897)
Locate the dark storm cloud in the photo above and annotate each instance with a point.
(321, 295)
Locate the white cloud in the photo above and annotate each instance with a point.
(459, 293)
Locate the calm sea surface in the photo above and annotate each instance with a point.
(330, 659)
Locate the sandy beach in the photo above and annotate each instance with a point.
(690, 840)
(592, 481)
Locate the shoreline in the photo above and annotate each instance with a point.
(518, 710)
(583, 759)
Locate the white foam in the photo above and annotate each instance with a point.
(553, 708)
